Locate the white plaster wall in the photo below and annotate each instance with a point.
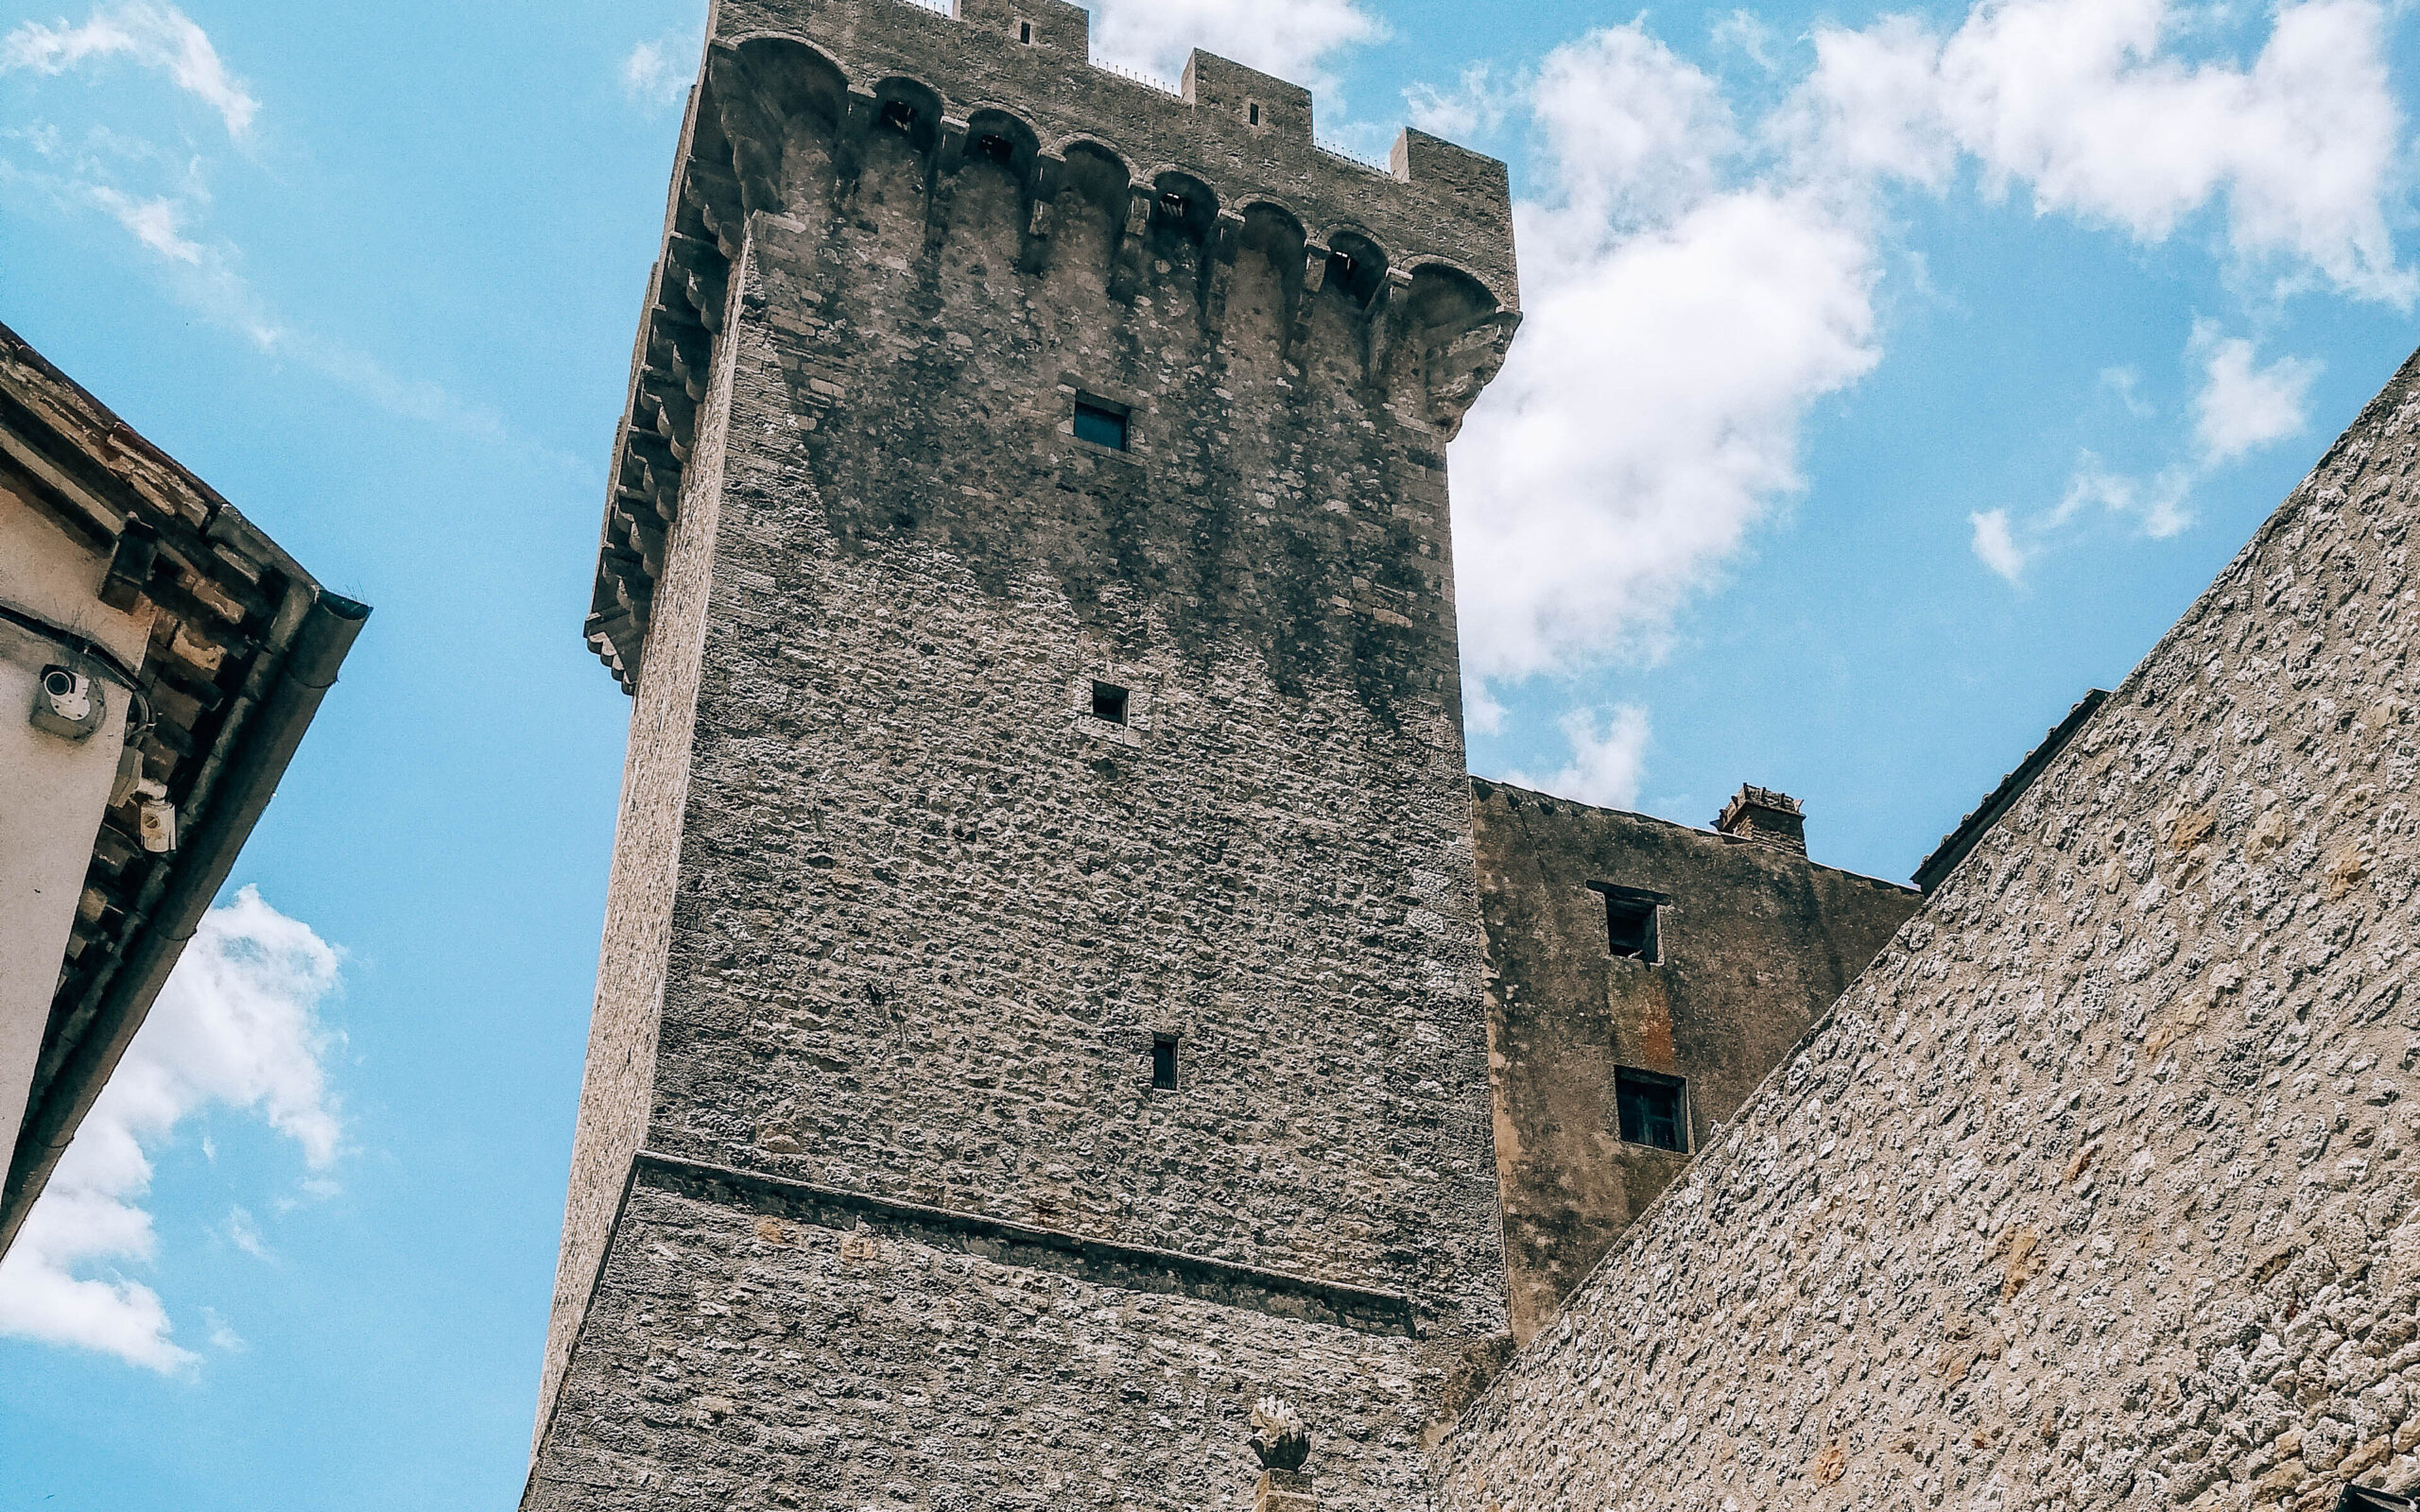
(52, 790)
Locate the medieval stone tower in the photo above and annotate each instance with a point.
(1039, 1008)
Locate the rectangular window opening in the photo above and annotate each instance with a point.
(1102, 423)
(1024, 32)
(1256, 114)
(1164, 1063)
(1652, 1111)
(1109, 702)
(1630, 926)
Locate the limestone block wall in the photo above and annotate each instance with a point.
(2096, 1190)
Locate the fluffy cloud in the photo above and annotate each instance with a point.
(1994, 546)
(2244, 406)
(2078, 101)
(2239, 406)
(154, 36)
(1678, 328)
(657, 73)
(237, 1025)
(1291, 38)
(1608, 758)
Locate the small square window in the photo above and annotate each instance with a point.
(1110, 702)
(1630, 924)
(1164, 1063)
(1101, 423)
(1653, 1110)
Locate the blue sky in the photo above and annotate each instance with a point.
(1893, 374)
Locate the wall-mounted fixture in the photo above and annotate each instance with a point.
(68, 704)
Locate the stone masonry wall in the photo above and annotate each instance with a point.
(1755, 943)
(930, 911)
(618, 1080)
(2095, 1190)
(742, 1358)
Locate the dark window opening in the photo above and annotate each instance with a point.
(1024, 32)
(1341, 268)
(901, 117)
(1173, 204)
(1109, 702)
(1256, 114)
(1099, 424)
(1164, 1063)
(995, 148)
(1630, 928)
(1651, 1110)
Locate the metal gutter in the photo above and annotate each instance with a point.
(237, 793)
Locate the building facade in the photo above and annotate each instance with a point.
(160, 660)
(1040, 1010)
(1644, 977)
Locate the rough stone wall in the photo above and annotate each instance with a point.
(740, 1357)
(619, 1081)
(2095, 1188)
(1755, 943)
(929, 913)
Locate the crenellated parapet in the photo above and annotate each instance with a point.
(796, 99)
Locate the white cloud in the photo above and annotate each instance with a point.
(1476, 107)
(2079, 101)
(657, 73)
(1994, 545)
(237, 1025)
(1677, 331)
(154, 223)
(1291, 38)
(1608, 758)
(154, 36)
(2243, 406)
(1742, 32)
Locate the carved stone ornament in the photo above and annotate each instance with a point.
(1278, 1436)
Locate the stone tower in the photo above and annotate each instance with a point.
(1040, 1008)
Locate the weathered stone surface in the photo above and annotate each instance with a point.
(1753, 942)
(2095, 1188)
(896, 916)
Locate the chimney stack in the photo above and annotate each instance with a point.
(1766, 818)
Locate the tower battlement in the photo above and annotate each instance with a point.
(1178, 187)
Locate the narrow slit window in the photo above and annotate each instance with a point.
(1101, 424)
(1630, 928)
(1110, 702)
(1024, 32)
(1254, 112)
(1652, 1111)
(1164, 1063)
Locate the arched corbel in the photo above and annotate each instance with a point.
(1132, 249)
(1225, 244)
(1315, 258)
(1041, 191)
(1388, 314)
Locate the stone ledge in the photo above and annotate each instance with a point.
(1132, 1267)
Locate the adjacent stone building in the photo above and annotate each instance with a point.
(1643, 978)
(160, 660)
(1039, 1008)
(2095, 1190)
